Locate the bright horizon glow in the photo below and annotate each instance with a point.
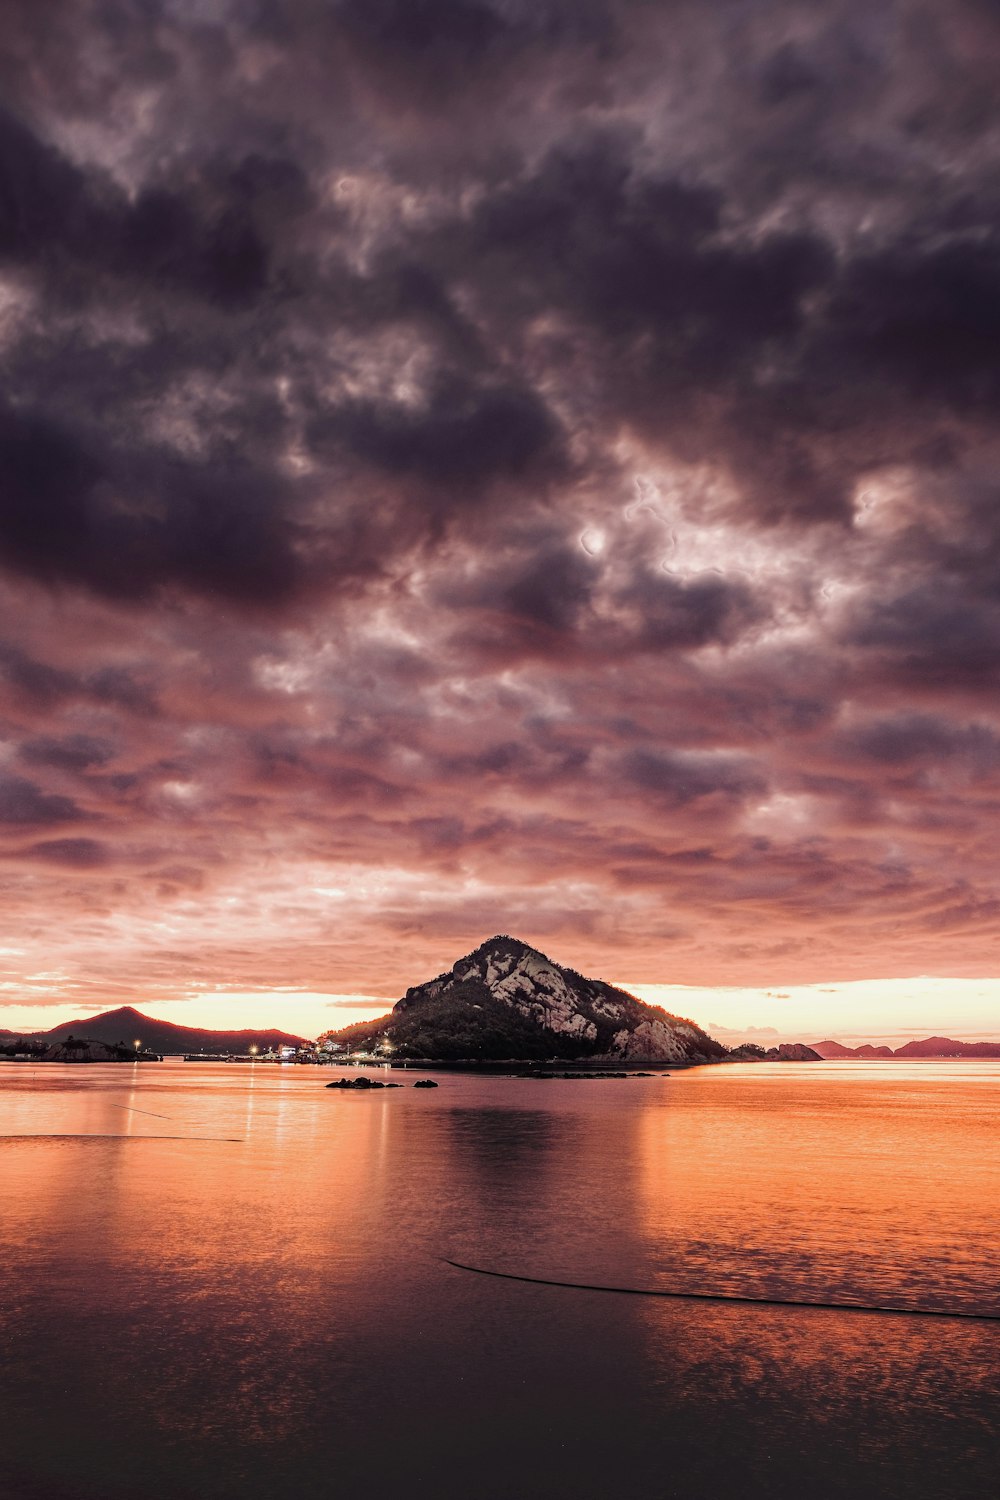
(302, 1012)
(889, 1011)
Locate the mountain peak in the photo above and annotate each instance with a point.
(503, 942)
(127, 1024)
(507, 999)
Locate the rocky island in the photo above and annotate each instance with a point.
(507, 1001)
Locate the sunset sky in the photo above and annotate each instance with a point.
(475, 466)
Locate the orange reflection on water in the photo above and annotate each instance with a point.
(275, 1306)
(871, 1183)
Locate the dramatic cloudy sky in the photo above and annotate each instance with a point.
(521, 465)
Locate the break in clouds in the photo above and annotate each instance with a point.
(473, 465)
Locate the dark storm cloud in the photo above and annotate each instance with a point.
(451, 449)
(934, 635)
(443, 40)
(702, 330)
(77, 752)
(675, 612)
(106, 503)
(194, 235)
(43, 199)
(467, 54)
(24, 676)
(460, 436)
(41, 683)
(678, 779)
(637, 255)
(926, 317)
(799, 368)
(75, 854)
(22, 803)
(556, 600)
(123, 508)
(905, 738)
(123, 524)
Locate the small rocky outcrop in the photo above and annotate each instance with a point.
(541, 1073)
(425, 1083)
(362, 1083)
(792, 1052)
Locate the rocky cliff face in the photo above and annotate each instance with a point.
(507, 1000)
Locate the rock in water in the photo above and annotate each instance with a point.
(507, 1000)
(362, 1083)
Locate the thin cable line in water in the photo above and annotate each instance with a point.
(638, 1291)
(180, 1119)
(134, 1109)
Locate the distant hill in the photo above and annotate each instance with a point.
(943, 1046)
(508, 1000)
(128, 1025)
(832, 1049)
(932, 1046)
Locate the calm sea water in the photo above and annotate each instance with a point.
(225, 1281)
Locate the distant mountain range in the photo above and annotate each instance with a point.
(835, 1050)
(507, 1000)
(128, 1025)
(932, 1046)
(503, 1000)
